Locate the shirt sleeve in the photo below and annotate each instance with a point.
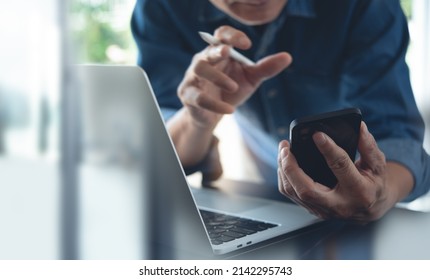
(411, 154)
(376, 79)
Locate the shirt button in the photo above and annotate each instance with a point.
(282, 130)
(272, 93)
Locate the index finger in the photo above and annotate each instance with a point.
(233, 37)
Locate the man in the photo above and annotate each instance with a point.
(312, 57)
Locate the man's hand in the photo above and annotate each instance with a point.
(215, 84)
(366, 189)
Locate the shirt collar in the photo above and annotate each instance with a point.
(298, 8)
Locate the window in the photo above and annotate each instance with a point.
(29, 99)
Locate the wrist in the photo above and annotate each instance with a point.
(192, 141)
(399, 180)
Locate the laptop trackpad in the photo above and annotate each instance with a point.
(221, 201)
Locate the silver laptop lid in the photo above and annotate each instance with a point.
(119, 106)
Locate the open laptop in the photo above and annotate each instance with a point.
(179, 221)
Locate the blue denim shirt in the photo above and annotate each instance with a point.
(345, 54)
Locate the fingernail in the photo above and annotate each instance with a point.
(319, 138)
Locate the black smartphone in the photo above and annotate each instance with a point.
(342, 126)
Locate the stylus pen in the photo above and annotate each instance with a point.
(208, 38)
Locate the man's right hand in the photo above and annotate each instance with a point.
(214, 84)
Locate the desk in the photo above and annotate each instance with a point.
(110, 211)
(400, 234)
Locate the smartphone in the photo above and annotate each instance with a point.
(342, 126)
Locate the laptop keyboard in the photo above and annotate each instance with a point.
(224, 228)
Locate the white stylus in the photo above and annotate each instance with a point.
(208, 38)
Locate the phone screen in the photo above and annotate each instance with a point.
(342, 126)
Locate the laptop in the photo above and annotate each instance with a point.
(179, 221)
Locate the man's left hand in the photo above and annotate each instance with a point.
(361, 194)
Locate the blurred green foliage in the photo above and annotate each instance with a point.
(407, 7)
(93, 31)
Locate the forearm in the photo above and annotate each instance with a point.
(192, 141)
